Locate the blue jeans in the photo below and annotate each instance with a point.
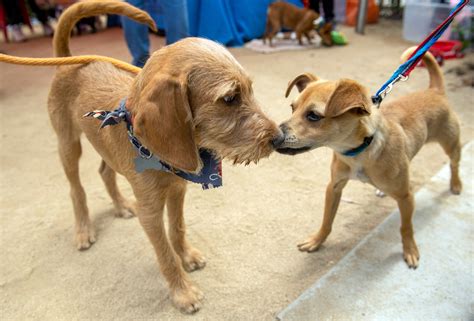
(176, 25)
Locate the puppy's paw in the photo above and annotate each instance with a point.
(313, 243)
(187, 299)
(456, 186)
(85, 237)
(193, 260)
(379, 193)
(411, 256)
(126, 210)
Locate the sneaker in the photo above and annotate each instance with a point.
(17, 34)
(47, 30)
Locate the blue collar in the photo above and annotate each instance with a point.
(211, 172)
(359, 149)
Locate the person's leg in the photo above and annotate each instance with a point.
(136, 36)
(314, 5)
(328, 7)
(14, 19)
(42, 16)
(12, 12)
(175, 13)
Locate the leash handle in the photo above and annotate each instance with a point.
(406, 68)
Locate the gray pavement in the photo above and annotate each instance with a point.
(373, 282)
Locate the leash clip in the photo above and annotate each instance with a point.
(378, 99)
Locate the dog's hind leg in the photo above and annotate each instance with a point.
(123, 207)
(70, 152)
(451, 144)
(191, 258)
(273, 29)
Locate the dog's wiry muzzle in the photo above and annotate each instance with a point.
(242, 140)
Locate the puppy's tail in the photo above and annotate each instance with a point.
(83, 9)
(436, 75)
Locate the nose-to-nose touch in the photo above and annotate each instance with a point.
(278, 140)
(284, 128)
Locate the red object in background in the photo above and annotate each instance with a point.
(352, 6)
(306, 3)
(448, 49)
(445, 49)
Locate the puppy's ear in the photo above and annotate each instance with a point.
(349, 95)
(301, 82)
(163, 122)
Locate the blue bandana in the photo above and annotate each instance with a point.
(211, 172)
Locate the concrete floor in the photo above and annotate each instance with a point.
(373, 283)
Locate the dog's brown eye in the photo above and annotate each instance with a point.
(231, 100)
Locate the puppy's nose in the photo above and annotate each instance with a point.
(278, 140)
(284, 128)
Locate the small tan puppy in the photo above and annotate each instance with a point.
(286, 15)
(190, 95)
(340, 115)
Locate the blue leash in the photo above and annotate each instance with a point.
(401, 74)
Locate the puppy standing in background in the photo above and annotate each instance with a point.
(191, 95)
(302, 21)
(372, 145)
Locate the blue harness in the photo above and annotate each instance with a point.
(211, 172)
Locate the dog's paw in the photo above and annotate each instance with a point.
(84, 238)
(379, 193)
(411, 257)
(126, 210)
(193, 260)
(187, 299)
(311, 244)
(456, 187)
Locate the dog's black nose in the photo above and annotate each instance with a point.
(277, 141)
(283, 128)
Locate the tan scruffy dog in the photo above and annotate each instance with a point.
(369, 144)
(281, 14)
(190, 95)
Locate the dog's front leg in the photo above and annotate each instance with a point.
(184, 294)
(406, 204)
(191, 257)
(339, 178)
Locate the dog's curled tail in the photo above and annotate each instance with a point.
(436, 75)
(83, 9)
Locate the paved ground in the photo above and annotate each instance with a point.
(248, 230)
(373, 283)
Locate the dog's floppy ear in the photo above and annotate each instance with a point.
(349, 95)
(301, 82)
(163, 122)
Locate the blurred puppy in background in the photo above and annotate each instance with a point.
(302, 21)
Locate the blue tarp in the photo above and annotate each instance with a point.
(230, 22)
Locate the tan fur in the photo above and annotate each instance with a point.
(178, 107)
(282, 14)
(400, 128)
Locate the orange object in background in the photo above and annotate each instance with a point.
(351, 12)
